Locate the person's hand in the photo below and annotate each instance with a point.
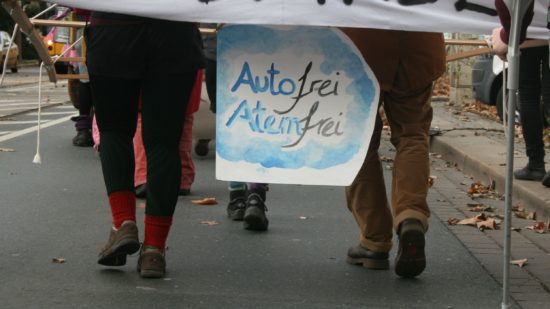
(498, 46)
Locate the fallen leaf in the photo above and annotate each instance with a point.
(489, 224)
(539, 227)
(209, 222)
(480, 208)
(7, 150)
(303, 217)
(452, 221)
(58, 260)
(205, 201)
(519, 263)
(473, 220)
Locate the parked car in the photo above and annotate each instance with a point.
(487, 76)
(11, 55)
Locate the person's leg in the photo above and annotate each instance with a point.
(409, 114)
(83, 122)
(254, 213)
(140, 172)
(116, 112)
(187, 164)
(210, 79)
(531, 112)
(164, 102)
(545, 92)
(237, 200)
(367, 201)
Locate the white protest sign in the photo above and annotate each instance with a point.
(466, 16)
(294, 105)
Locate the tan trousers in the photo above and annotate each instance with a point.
(409, 114)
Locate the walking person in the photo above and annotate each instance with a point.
(406, 64)
(127, 58)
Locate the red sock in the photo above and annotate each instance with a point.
(156, 231)
(123, 207)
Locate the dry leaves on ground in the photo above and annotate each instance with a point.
(480, 208)
(209, 222)
(521, 213)
(7, 150)
(431, 181)
(479, 190)
(206, 201)
(519, 263)
(481, 221)
(58, 260)
(540, 227)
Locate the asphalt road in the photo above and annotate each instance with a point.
(59, 210)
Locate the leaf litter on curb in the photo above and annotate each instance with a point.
(205, 201)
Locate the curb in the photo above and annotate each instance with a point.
(484, 159)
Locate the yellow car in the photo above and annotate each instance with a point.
(11, 55)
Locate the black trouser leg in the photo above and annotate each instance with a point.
(116, 102)
(530, 103)
(164, 103)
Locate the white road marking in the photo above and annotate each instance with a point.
(33, 129)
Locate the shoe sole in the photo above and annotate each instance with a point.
(117, 257)
(150, 273)
(411, 259)
(253, 220)
(369, 263)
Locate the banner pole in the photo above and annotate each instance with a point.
(517, 9)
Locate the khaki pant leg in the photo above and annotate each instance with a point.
(410, 114)
(367, 200)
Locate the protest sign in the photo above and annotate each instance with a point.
(294, 105)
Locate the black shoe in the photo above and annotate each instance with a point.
(83, 138)
(184, 192)
(254, 214)
(141, 191)
(411, 259)
(367, 258)
(546, 180)
(530, 173)
(235, 208)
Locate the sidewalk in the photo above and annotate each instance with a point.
(476, 148)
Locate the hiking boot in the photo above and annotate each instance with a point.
(121, 243)
(83, 138)
(254, 214)
(367, 258)
(151, 263)
(530, 173)
(235, 208)
(411, 259)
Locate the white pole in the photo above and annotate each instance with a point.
(517, 9)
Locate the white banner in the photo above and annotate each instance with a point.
(465, 16)
(294, 105)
